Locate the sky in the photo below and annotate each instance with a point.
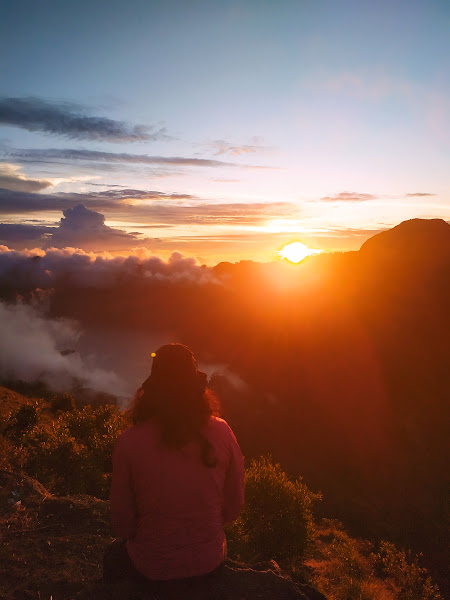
(220, 130)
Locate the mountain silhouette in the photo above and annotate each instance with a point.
(416, 238)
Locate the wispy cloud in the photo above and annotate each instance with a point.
(167, 209)
(12, 179)
(56, 155)
(70, 120)
(224, 147)
(348, 232)
(215, 214)
(349, 197)
(419, 194)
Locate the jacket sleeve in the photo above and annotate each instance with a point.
(122, 501)
(233, 498)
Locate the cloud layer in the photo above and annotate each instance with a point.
(71, 154)
(69, 120)
(83, 226)
(17, 202)
(57, 268)
(12, 179)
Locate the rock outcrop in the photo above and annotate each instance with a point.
(236, 581)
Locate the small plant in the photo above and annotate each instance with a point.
(342, 569)
(63, 402)
(22, 420)
(412, 580)
(276, 521)
(73, 454)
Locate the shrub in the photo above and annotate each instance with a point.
(276, 521)
(73, 454)
(64, 402)
(12, 457)
(343, 569)
(409, 577)
(22, 420)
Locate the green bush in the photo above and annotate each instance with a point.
(63, 402)
(343, 569)
(73, 453)
(22, 420)
(276, 521)
(411, 579)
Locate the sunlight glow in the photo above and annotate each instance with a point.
(296, 252)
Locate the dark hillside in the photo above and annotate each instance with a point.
(337, 366)
(52, 544)
(416, 239)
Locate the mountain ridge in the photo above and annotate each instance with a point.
(414, 237)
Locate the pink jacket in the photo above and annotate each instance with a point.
(169, 507)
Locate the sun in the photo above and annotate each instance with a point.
(296, 252)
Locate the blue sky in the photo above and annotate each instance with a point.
(332, 119)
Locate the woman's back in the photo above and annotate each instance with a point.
(169, 505)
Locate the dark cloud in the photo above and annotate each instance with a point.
(17, 233)
(15, 202)
(419, 194)
(84, 228)
(21, 184)
(12, 202)
(80, 227)
(12, 179)
(349, 197)
(55, 154)
(69, 120)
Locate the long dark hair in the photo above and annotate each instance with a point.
(177, 398)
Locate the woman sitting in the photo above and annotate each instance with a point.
(178, 478)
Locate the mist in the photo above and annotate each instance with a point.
(38, 348)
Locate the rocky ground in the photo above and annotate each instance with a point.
(52, 547)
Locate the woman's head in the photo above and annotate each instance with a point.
(175, 396)
(174, 365)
